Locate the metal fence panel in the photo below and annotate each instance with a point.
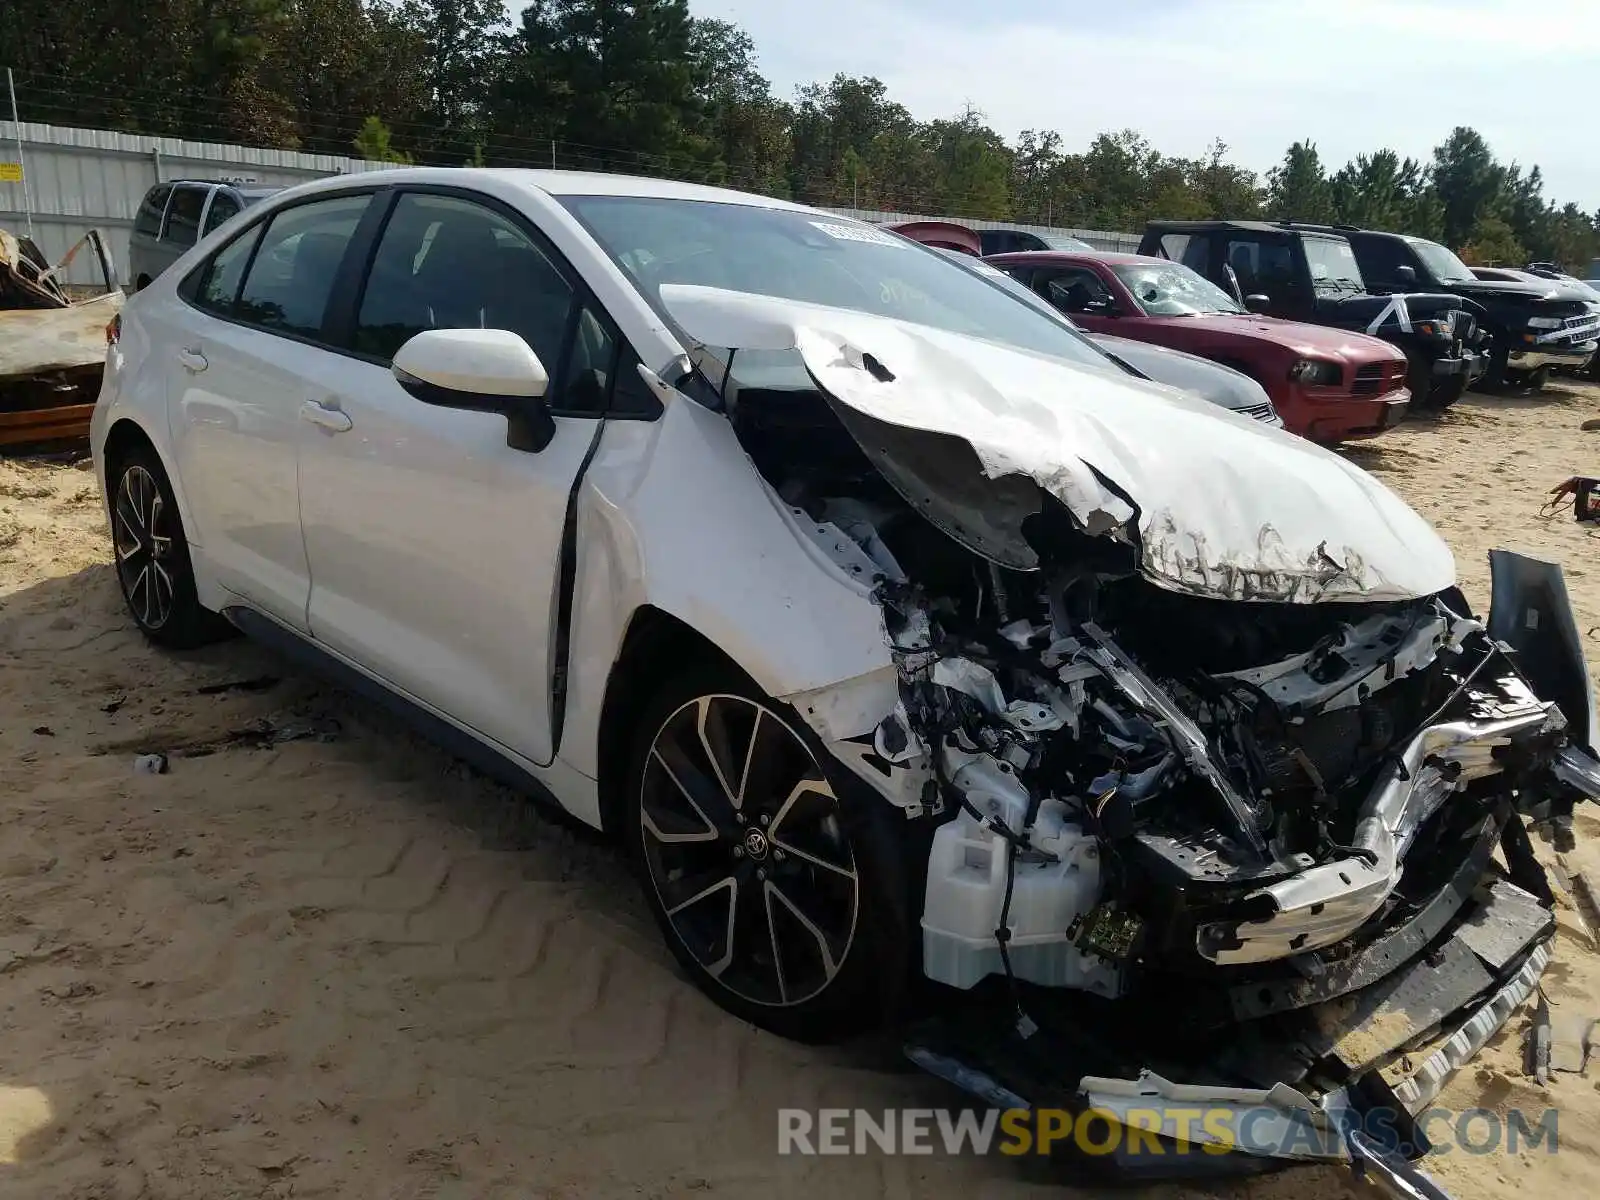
(82, 178)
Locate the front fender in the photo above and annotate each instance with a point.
(676, 517)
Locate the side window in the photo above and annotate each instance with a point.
(1379, 258)
(1071, 289)
(183, 216)
(448, 263)
(222, 207)
(219, 282)
(1173, 245)
(292, 274)
(148, 220)
(1196, 255)
(591, 368)
(1263, 266)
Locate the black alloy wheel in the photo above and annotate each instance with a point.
(746, 849)
(154, 570)
(783, 897)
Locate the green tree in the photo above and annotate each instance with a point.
(844, 114)
(1298, 188)
(972, 164)
(748, 127)
(374, 145)
(1493, 242)
(1467, 180)
(459, 55)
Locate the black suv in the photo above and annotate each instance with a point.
(1532, 326)
(1009, 241)
(1309, 273)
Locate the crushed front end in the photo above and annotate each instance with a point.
(1213, 854)
(1212, 758)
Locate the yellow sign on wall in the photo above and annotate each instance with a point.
(10, 172)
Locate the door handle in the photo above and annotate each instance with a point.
(324, 417)
(192, 360)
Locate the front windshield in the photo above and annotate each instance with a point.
(1061, 242)
(815, 259)
(1333, 264)
(1173, 290)
(1441, 263)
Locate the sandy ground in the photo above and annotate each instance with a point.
(340, 965)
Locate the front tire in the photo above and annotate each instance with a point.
(154, 570)
(1446, 392)
(778, 882)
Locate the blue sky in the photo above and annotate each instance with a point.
(1351, 75)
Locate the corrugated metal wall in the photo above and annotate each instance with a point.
(77, 179)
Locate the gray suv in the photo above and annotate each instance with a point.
(173, 216)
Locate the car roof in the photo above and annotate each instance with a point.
(1250, 226)
(558, 183)
(1109, 257)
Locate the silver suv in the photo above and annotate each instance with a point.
(175, 215)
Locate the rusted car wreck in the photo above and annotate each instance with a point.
(52, 346)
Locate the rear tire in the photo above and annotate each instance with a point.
(154, 570)
(779, 881)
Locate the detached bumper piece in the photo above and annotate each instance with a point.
(1182, 1095)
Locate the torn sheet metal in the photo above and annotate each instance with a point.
(33, 340)
(52, 348)
(1220, 506)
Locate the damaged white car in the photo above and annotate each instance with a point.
(895, 638)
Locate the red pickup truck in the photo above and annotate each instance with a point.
(1329, 385)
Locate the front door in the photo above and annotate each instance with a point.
(248, 354)
(1080, 293)
(433, 545)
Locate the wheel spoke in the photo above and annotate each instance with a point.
(163, 590)
(731, 887)
(708, 834)
(133, 534)
(791, 845)
(767, 892)
(715, 738)
(697, 791)
(829, 965)
(141, 582)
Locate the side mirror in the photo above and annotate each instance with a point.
(1100, 306)
(1256, 302)
(480, 370)
(1406, 275)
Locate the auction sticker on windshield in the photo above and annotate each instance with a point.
(858, 233)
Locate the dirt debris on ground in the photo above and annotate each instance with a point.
(336, 963)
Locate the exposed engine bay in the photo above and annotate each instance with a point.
(1139, 793)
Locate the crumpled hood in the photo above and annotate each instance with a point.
(1226, 507)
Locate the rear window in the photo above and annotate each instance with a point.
(148, 220)
(183, 216)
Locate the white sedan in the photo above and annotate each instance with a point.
(892, 634)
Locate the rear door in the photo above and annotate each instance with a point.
(144, 264)
(250, 354)
(182, 227)
(433, 545)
